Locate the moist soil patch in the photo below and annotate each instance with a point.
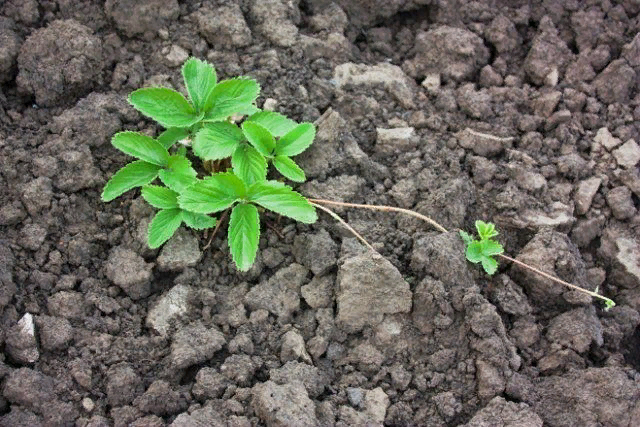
(522, 113)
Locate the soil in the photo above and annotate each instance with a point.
(524, 113)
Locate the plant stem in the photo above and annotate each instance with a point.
(343, 222)
(384, 209)
(318, 202)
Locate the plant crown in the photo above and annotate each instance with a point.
(204, 122)
(482, 250)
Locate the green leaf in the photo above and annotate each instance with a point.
(229, 97)
(491, 247)
(248, 164)
(142, 147)
(160, 197)
(171, 136)
(486, 230)
(198, 221)
(259, 137)
(276, 123)
(217, 140)
(289, 168)
(176, 181)
(200, 79)
(466, 237)
(135, 174)
(474, 252)
(180, 164)
(248, 110)
(165, 106)
(162, 226)
(281, 199)
(296, 140)
(244, 235)
(216, 193)
(490, 265)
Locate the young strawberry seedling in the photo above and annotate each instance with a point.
(204, 123)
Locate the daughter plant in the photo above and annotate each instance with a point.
(203, 126)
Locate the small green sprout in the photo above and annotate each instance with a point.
(484, 249)
(205, 123)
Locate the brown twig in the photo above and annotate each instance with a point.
(215, 230)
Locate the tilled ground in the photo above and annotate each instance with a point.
(524, 113)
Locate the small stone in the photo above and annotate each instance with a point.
(604, 138)
(176, 56)
(587, 189)
(376, 403)
(88, 405)
(628, 155)
(293, 348)
(55, 332)
(172, 306)
(483, 144)
(180, 252)
(545, 104)
(319, 292)
(195, 344)
(621, 204)
(130, 272)
(21, 341)
(614, 83)
(398, 140)
(432, 83)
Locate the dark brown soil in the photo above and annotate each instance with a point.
(524, 113)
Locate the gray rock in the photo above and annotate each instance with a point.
(583, 197)
(293, 348)
(176, 56)
(376, 403)
(240, 369)
(369, 287)
(172, 306)
(621, 204)
(312, 378)
(631, 52)
(142, 18)
(586, 230)
(77, 170)
(454, 53)
(7, 287)
(546, 103)
(279, 295)
(283, 405)
(55, 333)
(9, 49)
(483, 144)
(130, 272)
(548, 56)
(67, 304)
(396, 140)
(224, 27)
(627, 257)
(60, 62)
(160, 399)
(577, 329)
(509, 297)
(181, 251)
(318, 252)
(628, 155)
(21, 342)
(604, 138)
(474, 103)
(502, 34)
(614, 83)
(500, 412)
(276, 20)
(325, 154)
(447, 405)
(195, 344)
(318, 293)
(37, 195)
(210, 384)
(390, 76)
(123, 385)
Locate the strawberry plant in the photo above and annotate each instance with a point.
(484, 249)
(204, 126)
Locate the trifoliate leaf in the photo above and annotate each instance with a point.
(259, 137)
(486, 230)
(162, 226)
(230, 96)
(216, 193)
(217, 140)
(490, 265)
(200, 79)
(160, 197)
(289, 168)
(491, 247)
(198, 221)
(135, 174)
(276, 123)
(142, 147)
(248, 164)
(296, 140)
(165, 106)
(281, 199)
(244, 235)
(466, 237)
(171, 136)
(180, 164)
